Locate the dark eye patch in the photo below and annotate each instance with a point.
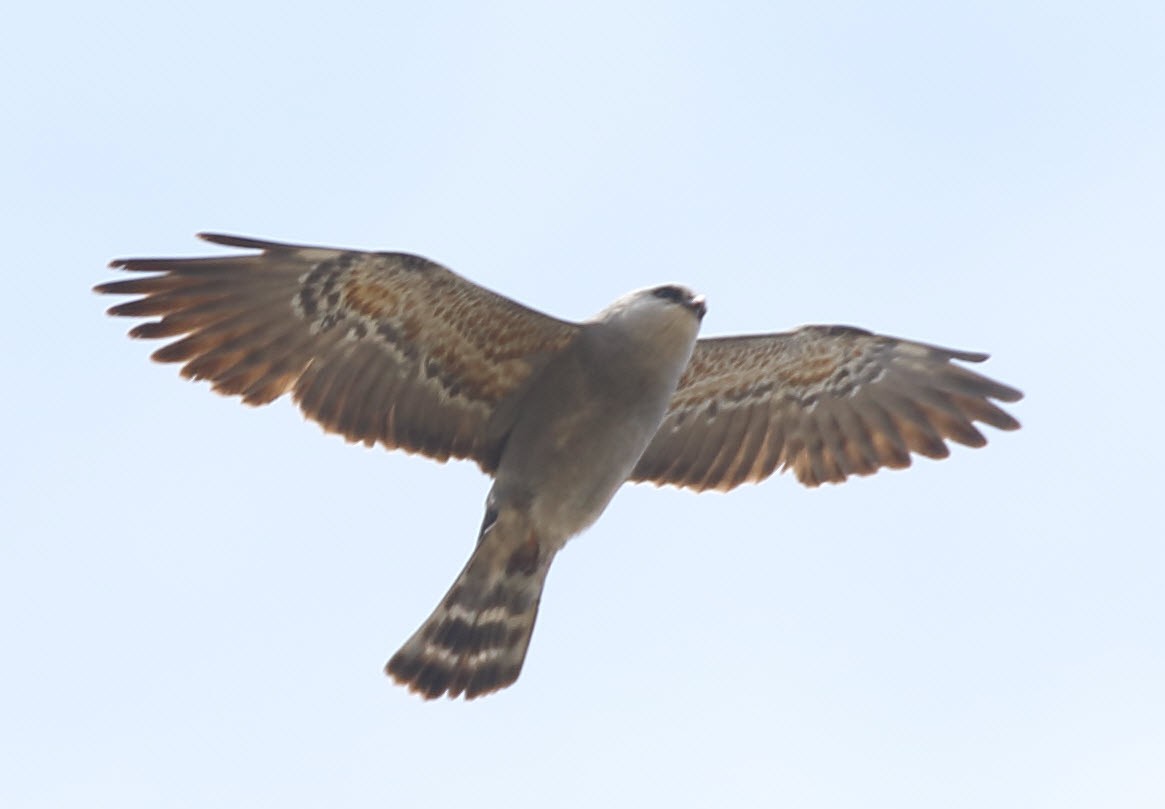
(671, 293)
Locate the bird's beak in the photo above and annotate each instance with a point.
(698, 305)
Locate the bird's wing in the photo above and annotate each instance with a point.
(826, 401)
(379, 347)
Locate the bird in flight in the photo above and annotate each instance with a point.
(394, 349)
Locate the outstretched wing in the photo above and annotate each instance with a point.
(379, 347)
(826, 401)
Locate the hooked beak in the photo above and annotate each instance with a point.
(699, 305)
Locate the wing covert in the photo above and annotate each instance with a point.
(825, 401)
(383, 347)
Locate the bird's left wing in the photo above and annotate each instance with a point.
(825, 401)
(379, 347)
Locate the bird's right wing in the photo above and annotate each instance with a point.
(379, 347)
(825, 401)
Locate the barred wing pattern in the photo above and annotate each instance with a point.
(379, 347)
(825, 401)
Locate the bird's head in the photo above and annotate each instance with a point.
(667, 315)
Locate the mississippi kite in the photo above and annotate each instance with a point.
(394, 349)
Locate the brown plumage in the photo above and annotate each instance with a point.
(476, 639)
(391, 348)
(825, 401)
(385, 348)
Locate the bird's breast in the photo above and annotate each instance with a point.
(579, 431)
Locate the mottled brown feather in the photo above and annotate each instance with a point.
(835, 402)
(379, 347)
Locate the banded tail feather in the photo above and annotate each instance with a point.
(475, 641)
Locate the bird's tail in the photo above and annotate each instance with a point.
(476, 639)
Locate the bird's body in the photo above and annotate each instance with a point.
(391, 348)
(579, 429)
(590, 414)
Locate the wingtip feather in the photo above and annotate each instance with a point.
(245, 242)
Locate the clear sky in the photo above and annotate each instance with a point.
(196, 598)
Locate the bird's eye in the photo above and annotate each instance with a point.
(670, 293)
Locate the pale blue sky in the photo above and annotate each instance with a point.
(196, 598)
